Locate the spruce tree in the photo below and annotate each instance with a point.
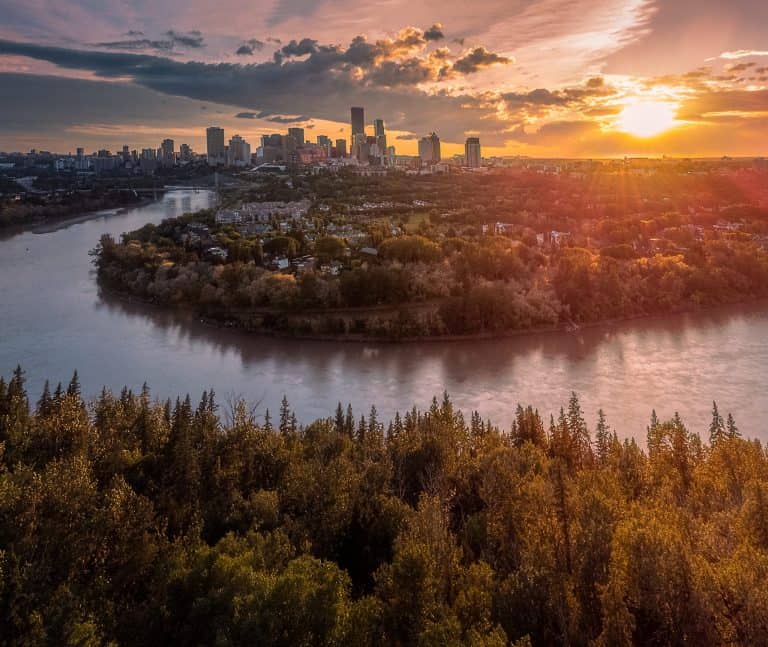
(716, 427)
(602, 438)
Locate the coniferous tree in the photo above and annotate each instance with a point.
(733, 430)
(73, 388)
(602, 438)
(716, 427)
(339, 419)
(349, 422)
(285, 416)
(45, 403)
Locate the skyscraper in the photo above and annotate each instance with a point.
(215, 141)
(429, 149)
(381, 137)
(298, 135)
(472, 157)
(341, 148)
(358, 121)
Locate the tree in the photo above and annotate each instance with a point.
(716, 427)
(281, 246)
(602, 438)
(329, 248)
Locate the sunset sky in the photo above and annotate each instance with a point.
(550, 78)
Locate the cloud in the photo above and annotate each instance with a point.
(249, 47)
(707, 106)
(308, 78)
(478, 58)
(741, 53)
(193, 40)
(300, 48)
(535, 102)
(434, 33)
(271, 116)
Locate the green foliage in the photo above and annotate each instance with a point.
(127, 521)
(282, 246)
(410, 249)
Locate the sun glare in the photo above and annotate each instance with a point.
(646, 118)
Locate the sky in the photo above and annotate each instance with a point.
(543, 78)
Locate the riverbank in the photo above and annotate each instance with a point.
(51, 224)
(559, 328)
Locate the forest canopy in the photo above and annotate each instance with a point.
(128, 520)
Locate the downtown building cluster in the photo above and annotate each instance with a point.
(367, 150)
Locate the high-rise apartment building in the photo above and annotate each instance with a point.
(215, 142)
(472, 156)
(167, 153)
(239, 151)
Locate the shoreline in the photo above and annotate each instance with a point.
(49, 225)
(234, 325)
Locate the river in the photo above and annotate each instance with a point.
(53, 320)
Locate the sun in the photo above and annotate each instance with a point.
(646, 118)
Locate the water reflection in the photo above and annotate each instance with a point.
(54, 320)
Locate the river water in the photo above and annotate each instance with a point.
(53, 320)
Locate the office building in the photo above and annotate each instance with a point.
(358, 121)
(381, 137)
(215, 142)
(359, 147)
(341, 148)
(185, 153)
(298, 136)
(472, 157)
(429, 149)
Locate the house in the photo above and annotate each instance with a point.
(228, 217)
(217, 252)
(559, 237)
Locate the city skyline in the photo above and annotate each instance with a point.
(607, 78)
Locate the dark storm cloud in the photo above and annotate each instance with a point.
(476, 59)
(323, 82)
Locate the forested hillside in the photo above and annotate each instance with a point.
(132, 521)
